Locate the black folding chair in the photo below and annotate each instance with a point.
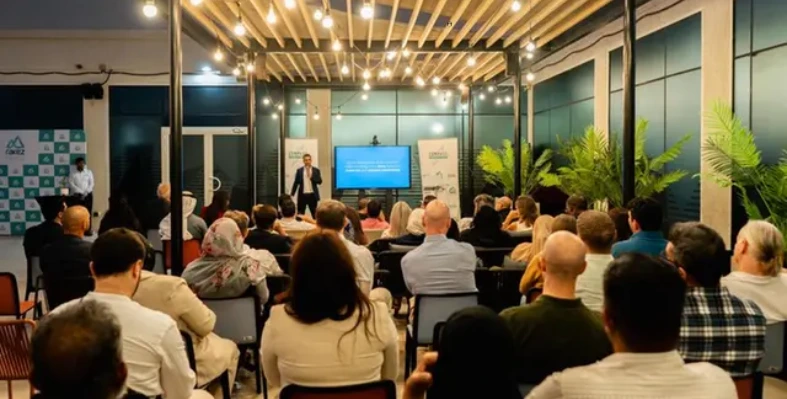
(61, 290)
(385, 389)
(492, 256)
(284, 262)
(224, 378)
(391, 261)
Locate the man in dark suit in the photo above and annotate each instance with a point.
(307, 180)
(50, 230)
(268, 235)
(70, 255)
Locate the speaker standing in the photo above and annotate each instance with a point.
(307, 180)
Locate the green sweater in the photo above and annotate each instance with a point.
(553, 334)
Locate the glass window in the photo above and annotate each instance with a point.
(352, 102)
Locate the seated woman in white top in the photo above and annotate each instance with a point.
(523, 218)
(757, 269)
(327, 333)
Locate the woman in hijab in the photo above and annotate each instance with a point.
(486, 231)
(119, 214)
(224, 270)
(476, 348)
(217, 207)
(415, 229)
(194, 227)
(400, 213)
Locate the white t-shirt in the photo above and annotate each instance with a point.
(768, 292)
(590, 284)
(364, 264)
(294, 224)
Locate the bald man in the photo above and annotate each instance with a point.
(556, 331)
(439, 265)
(70, 255)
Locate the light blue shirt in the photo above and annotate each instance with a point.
(644, 242)
(440, 266)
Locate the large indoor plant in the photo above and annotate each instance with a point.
(735, 161)
(595, 167)
(498, 168)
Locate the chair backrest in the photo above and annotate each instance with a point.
(278, 284)
(191, 251)
(745, 387)
(284, 262)
(432, 309)
(237, 319)
(159, 265)
(373, 234)
(385, 389)
(773, 361)
(297, 234)
(509, 288)
(15, 349)
(9, 295)
(492, 256)
(62, 290)
(154, 238)
(392, 261)
(33, 272)
(488, 295)
(189, 343)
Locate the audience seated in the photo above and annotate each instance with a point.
(480, 201)
(400, 213)
(194, 228)
(557, 331)
(645, 220)
(475, 359)
(171, 295)
(374, 219)
(152, 346)
(453, 230)
(415, 230)
(575, 205)
(217, 207)
(523, 218)
(439, 265)
(331, 216)
(265, 236)
(354, 230)
(158, 208)
(621, 218)
(289, 221)
(597, 231)
(363, 204)
(717, 327)
(69, 256)
(643, 302)
(532, 278)
(328, 333)
(76, 353)
(486, 231)
(268, 262)
(223, 270)
(525, 251)
(119, 214)
(48, 231)
(757, 269)
(503, 207)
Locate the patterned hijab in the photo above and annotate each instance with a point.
(223, 270)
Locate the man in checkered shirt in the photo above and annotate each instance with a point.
(717, 327)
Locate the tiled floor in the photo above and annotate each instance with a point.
(12, 259)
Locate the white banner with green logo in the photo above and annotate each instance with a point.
(294, 149)
(33, 163)
(439, 161)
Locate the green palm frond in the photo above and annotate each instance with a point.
(498, 167)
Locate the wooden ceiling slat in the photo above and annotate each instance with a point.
(479, 11)
(295, 65)
(307, 19)
(208, 24)
(439, 64)
(540, 16)
(491, 22)
(285, 17)
(391, 22)
(271, 27)
(454, 19)
(311, 67)
(371, 32)
(567, 24)
(413, 18)
(249, 24)
(350, 25)
(429, 25)
(284, 70)
(459, 57)
(553, 20)
(501, 66)
(352, 65)
(424, 65)
(338, 66)
(325, 67)
(480, 66)
(512, 20)
(219, 15)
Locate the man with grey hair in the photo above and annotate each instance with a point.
(331, 216)
(479, 201)
(757, 274)
(77, 353)
(556, 331)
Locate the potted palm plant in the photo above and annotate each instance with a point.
(498, 168)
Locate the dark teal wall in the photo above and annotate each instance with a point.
(40, 107)
(563, 106)
(668, 95)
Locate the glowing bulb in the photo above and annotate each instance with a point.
(529, 56)
(239, 29)
(386, 73)
(367, 11)
(249, 66)
(490, 89)
(206, 69)
(280, 107)
(438, 128)
(297, 100)
(462, 86)
(508, 99)
(471, 61)
(149, 9)
(516, 6)
(530, 77)
(271, 17)
(318, 14)
(364, 96)
(436, 80)
(530, 46)
(218, 55)
(337, 45)
(448, 93)
(275, 115)
(498, 101)
(290, 4)
(482, 96)
(406, 53)
(391, 55)
(327, 21)
(236, 71)
(266, 101)
(434, 92)
(196, 2)
(366, 86)
(408, 70)
(366, 74)
(419, 81)
(316, 116)
(345, 69)
(339, 116)
(464, 107)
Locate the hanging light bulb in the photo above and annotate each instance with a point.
(327, 21)
(482, 96)
(508, 99)
(290, 4)
(364, 96)
(367, 11)
(406, 52)
(529, 55)
(448, 94)
(249, 66)
(435, 93)
(271, 17)
(239, 29)
(236, 71)
(297, 100)
(516, 6)
(471, 61)
(280, 107)
(386, 73)
(366, 74)
(206, 69)
(530, 46)
(337, 45)
(275, 115)
(436, 80)
(530, 77)
(462, 86)
(345, 69)
(490, 89)
(218, 55)
(149, 9)
(419, 81)
(498, 101)
(318, 15)
(316, 115)
(408, 70)
(339, 115)
(391, 55)
(196, 2)
(266, 101)
(366, 86)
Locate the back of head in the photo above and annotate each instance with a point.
(373, 208)
(51, 206)
(363, 203)
(163, 191)
(527, 208)
(264, 216)
(76, 220)
(620, 216)
(564, 255)
(331, 215)
(597, 230)
(647, 212)
(576, 204)
(542, 228)
(77, 353)
(437, 218)
(643, 303)
(476, 357)
(116, 252)
(503, 203)
(283, 197)
(400, 213)
(287, 208)
(415, 223)
(765, 244)
(221, 200)
(487, 220)
(482, 200)
(428, 199)
(564, 222)
(359, 237)
(699, 251)
(240, 218)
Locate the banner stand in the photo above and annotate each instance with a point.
(439, 161)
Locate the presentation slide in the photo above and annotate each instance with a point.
(369, 167)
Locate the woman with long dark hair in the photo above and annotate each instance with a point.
(217, 207)
(327, 333)
(119, 214)
(486, 230)
(355, 233)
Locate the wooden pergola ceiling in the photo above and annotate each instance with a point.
(440, 35)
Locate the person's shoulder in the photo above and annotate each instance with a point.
(621, 246)
(462, 246)
(711, 374)
(748, 308)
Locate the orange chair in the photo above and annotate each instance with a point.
(191, 251)
(9, 298)
(745, 387)
(385, 389)
(15, 352)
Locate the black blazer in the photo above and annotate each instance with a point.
(67, 257)
(37, 237)
(297, 184)
(274, 243)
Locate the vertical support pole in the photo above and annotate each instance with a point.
(176, 135)
(470, 146)
(517, 88)
(629, 113)
(251, 96)
(282, 136)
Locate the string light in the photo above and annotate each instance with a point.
(290, 4)
(271, 17)
(218, 55)
(482, 96)
(366, 74)
(436, 80)
(508, 99)
(196, 2)
(364, 96)
(406, 52)
(366, 86)
(386, 73)
(367, 11)
(434, 92)
(471, 61)
(448, 94)
(419, 81)
(297, 100)
(206, 69)
(280, 107)
(490, 89)
(275, 115)
(249, 66)
(391, 55)
(339, 115)
(529, 56)
(337, 45)
(462, 86)
(149, 9)
(530, 77)
(239, 29)
(408, 70)
(266, 101)
(236, 71)
(318, 14)
(498, 101)
(327, 20)
(316, 115)
(345, 69)
(516, 6)
(530, 46)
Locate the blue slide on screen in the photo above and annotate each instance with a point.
(369, 167)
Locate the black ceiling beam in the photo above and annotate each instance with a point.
(378, 46)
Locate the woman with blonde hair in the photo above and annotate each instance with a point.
(400, 213)
(542, 228)
(524, 217)
(532, 278)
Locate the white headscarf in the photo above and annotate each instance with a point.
(165, 227)
(415, 224)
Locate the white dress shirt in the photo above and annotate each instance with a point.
(641, 376)
(294, 224)
(307, 180)
(768, 292)
(364, 264)
(590, 284)
(153, 349)
(81, 182)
